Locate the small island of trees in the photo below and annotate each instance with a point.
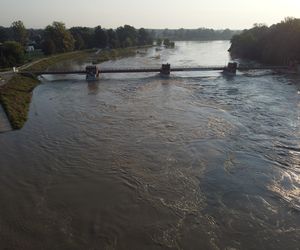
(277, 44)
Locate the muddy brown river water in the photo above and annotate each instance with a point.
(136, 161)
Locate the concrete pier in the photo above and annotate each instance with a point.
(165, 69)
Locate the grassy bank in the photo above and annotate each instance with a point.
(43, 64)
(15, 98)
(5, 69)
(104, 55)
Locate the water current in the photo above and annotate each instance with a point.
(135, 161)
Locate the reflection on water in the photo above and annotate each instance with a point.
(196, 161)
(93, 88)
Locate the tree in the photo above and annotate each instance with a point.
(4, 36)
(113, 39)
(167, 42)
(127, 35)
(49, 47)
(35, 36)
(19, 32)
(84, 37)
(12, 54)
(61, 37)
(79, 42)
(144, 37)
(158, 42)
(278, 44)
(101, 38)
(128, 42)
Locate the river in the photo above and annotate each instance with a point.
(136, 161)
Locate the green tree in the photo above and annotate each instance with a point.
(127, 35)
(158, 41)
(87, 36)
(278, 44)
(113, 39)
(144, 37)
(101, 38)
(79, 42)
(12, 54)
(167, 42)
(3, 34)
(128, 42)
(49, 47)
(60, 36)
(20, 33)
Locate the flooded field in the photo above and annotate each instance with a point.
(136, 161)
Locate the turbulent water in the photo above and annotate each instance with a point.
(136, 161)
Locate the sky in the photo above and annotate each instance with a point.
(217, 14)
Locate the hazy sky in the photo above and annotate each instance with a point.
(234, 14)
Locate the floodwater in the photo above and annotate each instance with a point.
(136, 161)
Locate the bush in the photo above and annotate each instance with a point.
(11, 54)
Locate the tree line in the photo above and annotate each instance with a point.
(277, 44)
(201, 34)
(56, 38)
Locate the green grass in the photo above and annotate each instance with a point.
(33, 56)
(15, 98)
(43, 64)
(5, 69)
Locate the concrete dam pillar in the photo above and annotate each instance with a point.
(165, 69)
(92, 73)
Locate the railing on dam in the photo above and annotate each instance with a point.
(165, 69)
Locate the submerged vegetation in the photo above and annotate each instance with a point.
(277, 44)
(15, 98)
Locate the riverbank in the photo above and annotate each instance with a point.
(15, 98)
(4, 122)
(15, 95)
(45, 63)
(16, 91)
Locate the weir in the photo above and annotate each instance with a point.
(93, 72)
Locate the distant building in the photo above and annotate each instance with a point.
(29, 48)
